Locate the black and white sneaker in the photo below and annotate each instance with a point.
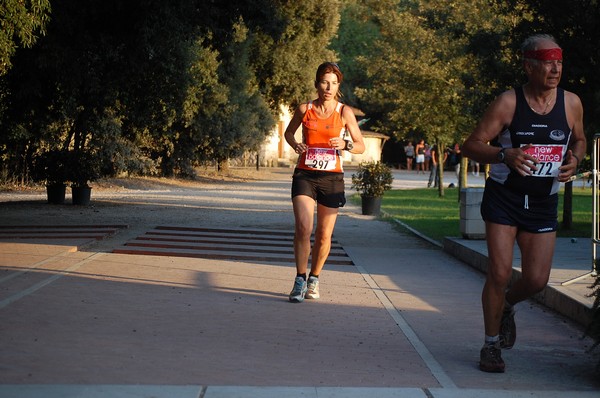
(299, 290)
(490, 358)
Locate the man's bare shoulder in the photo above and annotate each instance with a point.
(508, 97)
(572, 99)
(502, 109)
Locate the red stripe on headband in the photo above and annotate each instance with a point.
(551, 54)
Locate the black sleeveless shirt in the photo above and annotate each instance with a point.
(549, 134)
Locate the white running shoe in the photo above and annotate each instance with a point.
(313, 288)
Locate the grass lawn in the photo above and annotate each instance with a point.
(436, 217)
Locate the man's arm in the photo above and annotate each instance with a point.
(577, 148)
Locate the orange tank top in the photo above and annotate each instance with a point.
(316, 133)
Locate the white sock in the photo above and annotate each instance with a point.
(491, 340)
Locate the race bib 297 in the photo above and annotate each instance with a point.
(321, 158)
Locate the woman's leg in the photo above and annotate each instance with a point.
(326, 218)
(304, 210)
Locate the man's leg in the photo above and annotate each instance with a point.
(537, 251)
(500, 243)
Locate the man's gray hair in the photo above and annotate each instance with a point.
(531, 43)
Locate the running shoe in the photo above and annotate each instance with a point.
(313, 288)
(490, 359)
(298, 291)
(508, 329)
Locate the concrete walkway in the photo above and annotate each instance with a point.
(399, 316)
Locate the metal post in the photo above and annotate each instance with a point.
(595, 203)
(595, 212)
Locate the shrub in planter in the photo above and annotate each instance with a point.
(371, 180)
(51, 168)
(83, 168)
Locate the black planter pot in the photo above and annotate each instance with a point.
(371, 206)
(56, 193)
(81, 195)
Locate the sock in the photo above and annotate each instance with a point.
(302, 275)
(313, 275)
(492, 340)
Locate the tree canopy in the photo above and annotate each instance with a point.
(159, 87)
(21, 22)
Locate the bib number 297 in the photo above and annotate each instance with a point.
(321, 158)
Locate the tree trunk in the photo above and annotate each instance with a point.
(462, 175)
(223, 166)
(440, 154)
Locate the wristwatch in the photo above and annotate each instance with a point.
(349, 145)
(500, 156)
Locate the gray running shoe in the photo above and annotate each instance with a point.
(313, 288)
(490, 359)
(298, 291)
(508, 329)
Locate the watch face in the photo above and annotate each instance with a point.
(501, 155)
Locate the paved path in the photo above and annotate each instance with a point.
(404, 320)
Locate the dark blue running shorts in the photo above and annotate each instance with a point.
(326, 187)
(535, 214)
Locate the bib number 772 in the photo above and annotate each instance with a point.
(544, 169)
(549, 158)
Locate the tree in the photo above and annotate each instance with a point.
(20, 22)
(356, 36)
(243, 124)
(426, 76)
(298, 45)
(158, 81)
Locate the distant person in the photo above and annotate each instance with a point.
(409, 150)
(454, 157)
(420, 151)
(319, 176)
(537, 141)
(427, 163)
(434, 175)
(474, 167)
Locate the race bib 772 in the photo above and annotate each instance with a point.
(549, 157)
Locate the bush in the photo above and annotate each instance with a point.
(83, 167)
(51, 167)
(372, 179)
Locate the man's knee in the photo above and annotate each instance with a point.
(536, 284)
(499, 276)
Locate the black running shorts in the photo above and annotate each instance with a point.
(535, 214)
(326, 187)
